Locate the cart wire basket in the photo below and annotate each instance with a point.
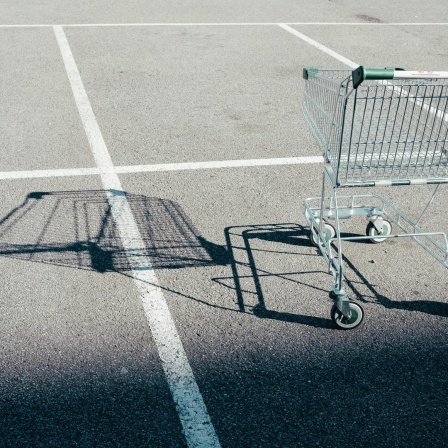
(375, 127)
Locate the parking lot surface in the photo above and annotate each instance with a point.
(159, 287)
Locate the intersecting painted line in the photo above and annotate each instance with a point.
(196, 423)
(161, 167)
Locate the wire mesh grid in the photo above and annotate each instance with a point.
(393, 130)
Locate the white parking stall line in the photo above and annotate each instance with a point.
(319, 46)
(143, 24)
(218, 164)
(32, 174)
(196, 423)
(161, 167)
(404, 93)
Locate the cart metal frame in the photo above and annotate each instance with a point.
(375, 127)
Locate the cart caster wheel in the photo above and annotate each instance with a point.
(357, 315)
(373, 232)
(329, 231)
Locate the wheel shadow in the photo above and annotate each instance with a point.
(247, 275)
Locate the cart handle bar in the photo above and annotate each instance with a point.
(361, 73)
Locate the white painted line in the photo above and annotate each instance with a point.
(161, 167)
(37, 25)
(217, 164)
(65, 25)
(319, 46)
(49, 173)
(249, 24)
(369, 23)
(196, 423)
(175, 24)
(86, 25)
(404, 74)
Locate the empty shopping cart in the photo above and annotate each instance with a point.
(375, 127)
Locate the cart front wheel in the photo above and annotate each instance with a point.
(347, 323)
(372, 231)
(329, 232)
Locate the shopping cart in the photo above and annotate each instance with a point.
(376, 127)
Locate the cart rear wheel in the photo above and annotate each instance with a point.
(347, 323)
(329, 232)
(375, 235)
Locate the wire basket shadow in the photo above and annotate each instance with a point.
(76, 229)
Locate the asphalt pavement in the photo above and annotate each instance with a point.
(108, 213)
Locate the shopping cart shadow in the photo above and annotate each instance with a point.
(423, 306)
(247, 274)
(76, 229)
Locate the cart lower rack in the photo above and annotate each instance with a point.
(375, 127)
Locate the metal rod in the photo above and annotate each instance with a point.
(427, 205)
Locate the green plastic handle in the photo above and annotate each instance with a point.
(309, 71)
(361, 73)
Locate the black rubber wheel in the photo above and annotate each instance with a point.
(375, 235)
(344, 323)
(329, 230)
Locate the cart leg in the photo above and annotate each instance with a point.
(339, 279)
(338, 294)
(321, 214)
(341, 302)
(345, 313)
